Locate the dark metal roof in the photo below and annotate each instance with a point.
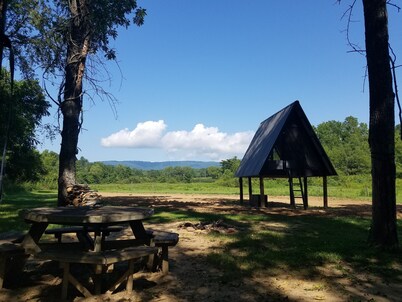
(285, 143)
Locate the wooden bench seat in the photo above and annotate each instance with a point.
(8, 252)
(58, 232)
(163, 240)
(12, 236)
(102, 259)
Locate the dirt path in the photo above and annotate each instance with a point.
(192, 278)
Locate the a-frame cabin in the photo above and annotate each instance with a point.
(285, 146)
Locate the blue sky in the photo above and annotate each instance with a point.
(195, 81)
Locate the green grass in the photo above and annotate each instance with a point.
(357, 191)
(14, 202)
(172, 188)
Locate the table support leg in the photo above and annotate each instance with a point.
(165, 259)
(139, 231)
(66, 271)
(97, 279)
(129, 285)
(30, 242)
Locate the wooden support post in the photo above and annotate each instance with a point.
(325, 191)
(165, 259)
(66, 272)
(305, 191)
(241, 190)
(250, 190)
(98, 279)
(262, 195)
(130, 272)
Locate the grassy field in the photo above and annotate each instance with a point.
(20, 199)
(15, 202)
(353, 190)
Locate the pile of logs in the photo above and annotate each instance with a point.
(82, 195)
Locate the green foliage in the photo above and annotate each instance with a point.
(230, 165)
(20, 116)
(99, 20)
(50, 161)
(23, 19)
(346, 144)
(398, 151)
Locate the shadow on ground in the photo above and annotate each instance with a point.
(276, 254)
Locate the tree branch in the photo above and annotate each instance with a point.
(392, 60)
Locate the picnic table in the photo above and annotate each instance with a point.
(102, 253)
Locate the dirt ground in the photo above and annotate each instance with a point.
(192, 278)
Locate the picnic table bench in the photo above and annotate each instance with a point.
(82, 233)
(163, 240)
(8, 252)
(67, 256)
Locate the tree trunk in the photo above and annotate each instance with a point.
(382, 125)
(3, 10)
(77, 51)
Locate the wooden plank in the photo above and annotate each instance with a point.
(163, 238)
(250, 190)
(90, 229)
(59, 253)
(325, 191)
(139, 231)
(30, 242)
(305, 193)
(64, 287)
(165, 260)
(9, 249)
(121, 244)
(107, 215)
(130, 272)
(262, 194)
(241, 189)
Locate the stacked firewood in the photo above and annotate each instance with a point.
(81, 195)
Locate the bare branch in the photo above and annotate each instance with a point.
(392, 60)
(49, 95)
(390, 3)
(349, 14)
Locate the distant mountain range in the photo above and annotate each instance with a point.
(148, 165)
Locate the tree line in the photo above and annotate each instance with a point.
(346, 144)
(100, 173)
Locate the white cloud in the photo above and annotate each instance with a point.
(145, 135)
(201, 143)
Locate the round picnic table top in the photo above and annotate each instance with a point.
(86, 215)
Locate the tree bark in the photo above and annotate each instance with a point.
(3, 10)
(71, 107)
(382, 125)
